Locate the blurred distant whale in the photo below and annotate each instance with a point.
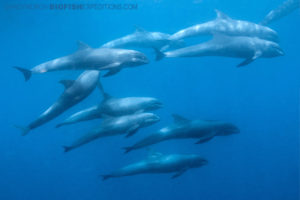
(144, 39)
(114, 107)
(87, 58)
(227, 26)
(204, 130)
(286, 8)
(75, 91)
(249, 48)
(158, 163)
(127, 124)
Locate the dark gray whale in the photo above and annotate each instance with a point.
(203, 130)
(144, 39)
(227, 26)
(87, 58)
(111, 106)
(249, 48)
(157, 163)
(75, 91)
(128, 124)
(286, 8)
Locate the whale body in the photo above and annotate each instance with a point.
(286, 8)
(144, 39)
(203, 130)
(114, 107)
(75, 91)
(225, 25)
(128, 124)
(248, 48)
(87, 58)
(158, 163)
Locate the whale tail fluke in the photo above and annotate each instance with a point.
(105, 177)
(159, 55)
(25, 130)
(127, 149)
(67, 149)
(27, 73)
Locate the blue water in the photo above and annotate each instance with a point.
(262, 99)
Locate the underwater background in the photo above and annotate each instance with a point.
(262, 99)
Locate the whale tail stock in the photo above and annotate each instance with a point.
(127, 149)
(25, 130)
(105, 177)
(26, 73)
(67, 149)
(159, 55)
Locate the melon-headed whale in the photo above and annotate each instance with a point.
(203, 130)
(87, 58)
(286, 8)
(249, 48)
(75, 91)
(112, 106)
(144, 39)
(225, 25)
(158, 163)
(127, 124)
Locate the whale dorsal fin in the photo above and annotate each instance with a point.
(67, 83)
(251, 59)
(179, 119)
(81, 45)
(104, 94)
(140, 30)
(221, 15)
(179, 173)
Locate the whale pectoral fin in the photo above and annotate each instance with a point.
(112, 72)
(104, 94)
(132, 130)
(67, 83)
(245, 62)
(179, 119)
(111, 66)
(249, 60)
(159, 55)
(204, 140)
(179, 173)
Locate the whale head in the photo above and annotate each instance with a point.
(227, 129)
(274, 50)
(271, 49)
(149, 119)
(196, 161)
(152, 104)
(132, 58)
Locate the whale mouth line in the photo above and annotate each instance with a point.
(158, 104)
